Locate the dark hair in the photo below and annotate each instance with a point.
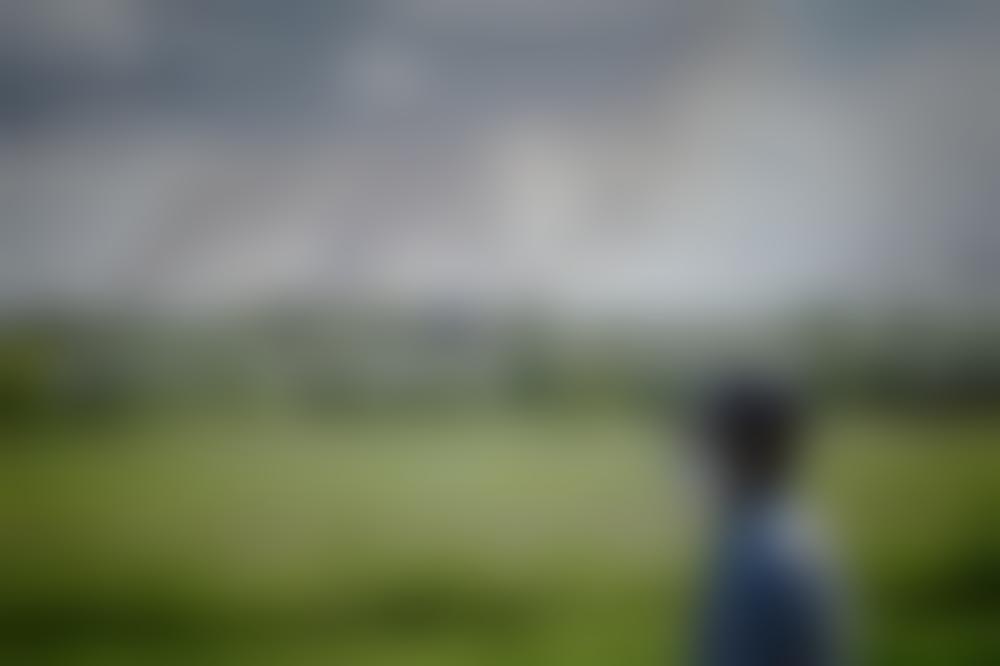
(754, 425)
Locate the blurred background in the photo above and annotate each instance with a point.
(355, 331)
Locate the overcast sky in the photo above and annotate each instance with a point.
(636, 155)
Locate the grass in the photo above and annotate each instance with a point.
(468, 539)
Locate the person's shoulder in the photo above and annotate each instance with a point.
(793, 542)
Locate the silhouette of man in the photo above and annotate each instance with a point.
(770, 601)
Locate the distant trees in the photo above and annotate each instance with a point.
(86, 369)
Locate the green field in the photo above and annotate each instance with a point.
(469, 539)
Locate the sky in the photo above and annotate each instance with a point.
(651, 157)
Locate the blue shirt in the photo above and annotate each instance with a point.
(770, 602)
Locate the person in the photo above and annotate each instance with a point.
(771, 597)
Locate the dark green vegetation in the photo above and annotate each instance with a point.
(471, 539)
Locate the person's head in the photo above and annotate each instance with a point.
(751, 427)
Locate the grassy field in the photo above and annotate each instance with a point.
(468, 539)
